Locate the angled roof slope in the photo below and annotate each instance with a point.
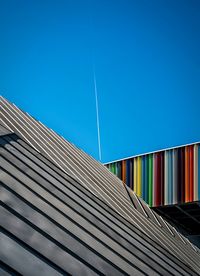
(63, 212)
(4, 130)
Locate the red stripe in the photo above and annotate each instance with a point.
(124, 171)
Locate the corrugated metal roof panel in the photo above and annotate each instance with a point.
(4, 130)
(69, 219)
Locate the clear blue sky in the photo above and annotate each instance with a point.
(147, 62)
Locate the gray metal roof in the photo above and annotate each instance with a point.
(62, 212)
(4, 130)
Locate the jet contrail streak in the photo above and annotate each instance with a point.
(97, 114)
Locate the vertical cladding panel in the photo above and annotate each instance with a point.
(191, 172)
(128, 173)
(154, 178)
(163, 178)
(111, 168)
(124, 171)
(182, 174)
(157, 179)
(195, 191)
(116, 169)
(120, 169)
(166, 195)
(135, 175)
(187, 175)
(150, 178)
(170, 177)
(143, 177)
(131, 173)
(198, 173)
(179, 159)
(146, 179)
(189, 166)
(139, 176)
(175, 175)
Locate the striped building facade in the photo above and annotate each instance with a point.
(163, 178)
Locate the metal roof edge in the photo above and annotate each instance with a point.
(142, 154)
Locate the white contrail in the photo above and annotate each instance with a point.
(97, 114)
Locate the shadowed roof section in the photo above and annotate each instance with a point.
(4, 130)
(62, 212)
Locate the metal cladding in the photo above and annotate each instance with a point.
(163, 178)
(64, 213)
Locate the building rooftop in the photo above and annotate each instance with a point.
(62, 212)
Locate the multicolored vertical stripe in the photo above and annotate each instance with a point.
(162, 178)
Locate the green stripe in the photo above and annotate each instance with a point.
(112, 168)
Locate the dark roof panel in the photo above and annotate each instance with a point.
(4, 130)
(58, 223)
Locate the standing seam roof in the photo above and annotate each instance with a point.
(65, 213)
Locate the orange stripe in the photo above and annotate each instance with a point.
(186, 175)
(124, 171)
(191, 173)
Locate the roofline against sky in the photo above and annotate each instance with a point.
(117, 160)
(133, 156)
